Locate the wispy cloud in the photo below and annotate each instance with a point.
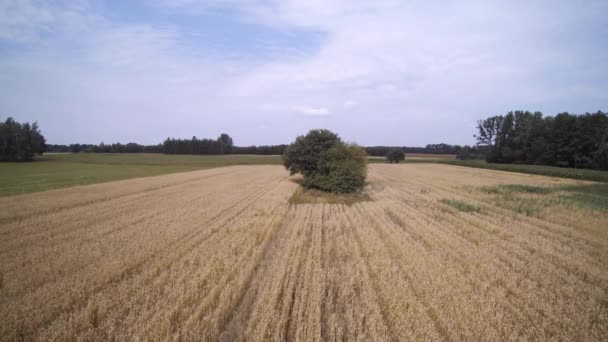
(311, 111)
(22, 21)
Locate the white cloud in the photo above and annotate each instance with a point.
(311, 111)
(349, 104)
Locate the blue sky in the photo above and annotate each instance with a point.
(377, 72)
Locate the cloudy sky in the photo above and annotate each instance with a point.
(377, 72)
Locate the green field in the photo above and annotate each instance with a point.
(64, 170)
(543, 170)
(551, 171)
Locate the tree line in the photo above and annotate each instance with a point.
(173, 146)
(262, 149)
(381, 151)
(210, 146)
(20, 142)
(222, 145)
(105, 148)
(567, 140)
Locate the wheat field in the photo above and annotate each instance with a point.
(440, 252)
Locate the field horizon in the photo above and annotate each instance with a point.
(63, 170)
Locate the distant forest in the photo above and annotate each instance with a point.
(381, 151)
(566, 140)
(224, 145)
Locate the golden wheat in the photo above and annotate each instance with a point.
(223, 254)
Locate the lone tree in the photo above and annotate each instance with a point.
(395, 155)
(327, 163)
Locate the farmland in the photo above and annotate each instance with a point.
(62, 170)
(437, 252)
(54, 171)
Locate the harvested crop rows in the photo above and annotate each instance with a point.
(438, 254)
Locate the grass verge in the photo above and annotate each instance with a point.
(312, 196)
(460, 205)
(531, 200)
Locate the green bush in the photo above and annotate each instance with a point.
(326, 162)
(395, 155)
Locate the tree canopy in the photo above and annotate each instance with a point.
(20, 142)
(563, 140)
(222, 145)
(327, 163)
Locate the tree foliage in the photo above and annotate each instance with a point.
(20, 142)
(309, 154)
(262, 149)
(226, 143)
(469, 152)
(327, 163)
(222, 145)
(160, 148)
(381, 151)
(564, 140)
(395, 155)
